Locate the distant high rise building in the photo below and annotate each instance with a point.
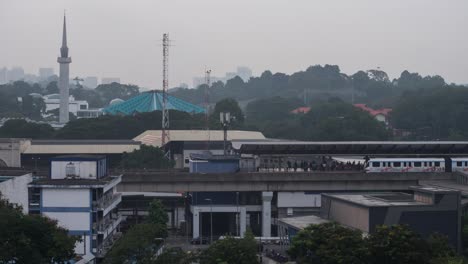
(244, 72)
(90, 82)
(110, 80)
(15, 74)
(3, 75)
(64, 77)
(45, 73)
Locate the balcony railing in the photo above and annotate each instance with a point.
(106, 200)
(107, 224)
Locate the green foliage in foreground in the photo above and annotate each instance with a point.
(32, 239)
(331, 243)
(157, 215)
(232, 251)
(138, 245)
(147, 157)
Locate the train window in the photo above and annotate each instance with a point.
(425, 164)
(384, 164)
(430, 164)
(417, 164)
(404, 164)
(459, 163)
(396, 164)
(466, 163)
(375, 164)
(437, 164)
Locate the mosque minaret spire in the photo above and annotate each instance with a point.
(64, 76)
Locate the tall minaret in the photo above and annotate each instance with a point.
(64, 77)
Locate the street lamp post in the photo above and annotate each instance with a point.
(211, 219)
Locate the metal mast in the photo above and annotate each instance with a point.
(165, 112)
(207, 105)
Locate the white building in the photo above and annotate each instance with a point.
(82, 197)
(52, 102)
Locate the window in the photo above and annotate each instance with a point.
(430, 164)
(375, 164)
(187, 161)
(417, 164)
(384, 164)
(404, 164)
(396, 164)
(459, 163)
(437, 164)
(83, 107)
(466, 163)
(425, 164)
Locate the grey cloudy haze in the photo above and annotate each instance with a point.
(122, 38)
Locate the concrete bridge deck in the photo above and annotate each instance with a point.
(284, 181)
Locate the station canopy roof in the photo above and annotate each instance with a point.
(153, 137)
(149, 102)
(383, 148)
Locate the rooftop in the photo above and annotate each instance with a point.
(75, 182)
(149, 102)
(301, 222)
(376, 200)
(153, 137)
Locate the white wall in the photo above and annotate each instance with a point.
(15, 191)
(71, 220)
(65, 198)
(85, 169)
(80, 246)
(298, 199)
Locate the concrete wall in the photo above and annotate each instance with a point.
(348, 214)
(298, 199)
(84, 169)
(10, 151)
(15, 191)
(65, 198)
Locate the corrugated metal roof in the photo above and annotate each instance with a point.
(153, 137)
(149, 102)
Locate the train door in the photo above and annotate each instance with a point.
(448, 164)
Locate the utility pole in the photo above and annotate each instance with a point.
(207, 105)
(165, 137)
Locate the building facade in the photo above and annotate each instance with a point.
(82, 197)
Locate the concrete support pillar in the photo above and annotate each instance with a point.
(196, 222)
(266, 213)
(243, 221)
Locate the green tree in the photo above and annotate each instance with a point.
(32, 239)
(228, 105)
(138, 245)
(397, 244)
(232, 251)
(20, 128)
(175, 256)
(147, 157)
(157, 215)
(328, 243)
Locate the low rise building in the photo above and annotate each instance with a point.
(82, 197)
(428, 210)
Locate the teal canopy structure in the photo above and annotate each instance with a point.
(149, 102)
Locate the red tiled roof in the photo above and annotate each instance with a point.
(373, 112)
(302, 110)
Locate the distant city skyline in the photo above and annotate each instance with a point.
(424, 36)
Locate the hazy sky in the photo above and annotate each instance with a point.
(122, 38)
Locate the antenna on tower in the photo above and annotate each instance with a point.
(207, 106)
(165, 137)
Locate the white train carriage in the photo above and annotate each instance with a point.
(460, 164)
(405, 165)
